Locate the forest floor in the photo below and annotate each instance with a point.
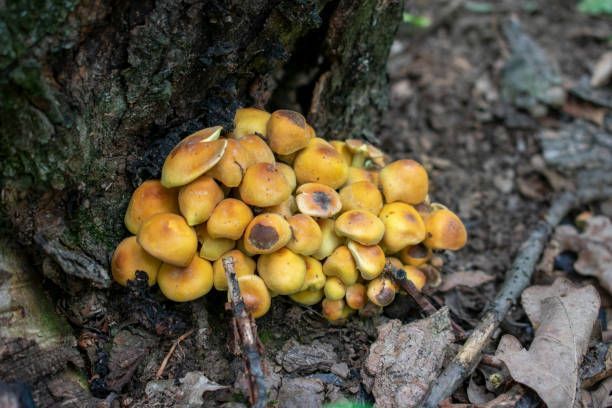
(450, 111)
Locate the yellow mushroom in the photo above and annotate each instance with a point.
(198, 199)
(415, 255)
(148, 199)
(356, 297)
(212, 248)
(444, 230)
(168, 237)
(306, 236)
(334, 289)
(129, 257)
(258, 150)
(248, 121)
(362, 195)
(356, 174)
(335, 311)
(255, 295)
(307, 297)
(192, 157)
(381, 291)
(264, 185)
(289, 174)
(329, 240)
(320, 163)
(243, 265)
(287, 132)
(343, 149)
(314, 279)
(370, 260)
(234, 162)
(229, 219)
(341, 264)
(318, 200)
(361, 226)
(403, 226)
(404, 180)
(283, 271)
(416, 276)
(266, 233)
(183, 284)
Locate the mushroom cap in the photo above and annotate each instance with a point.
(287, 158)
(306, 235)
(381, 291)
(341, 264)
(370, 260)
(343, 149)
(230, 169)
(356, 297)
(319, 162)
(286, 209)
(362, 195)
(314, 279)
(318, 200)
(283, 271)
(129, 257)
(403, 226)
(289, 174)
(334, 289)
(356, 174)
(148, 199)
(183, 284)
(416, 276)
(243, 265)
(287, 132)
(404, 180)
(192, 157)
(335, 311)
(229, 219)
(329, 241)
(266, 233)
(248, 121)
(212, 248)
(198, 199)
(258, 150)
(168, 237)
(374, 155)
(255, 294)
(361, 226)
(445, 230)
(415, 255)
(264, 185)
(307, 297)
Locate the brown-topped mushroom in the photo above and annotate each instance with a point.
(287, 132)
(266, 233)
(318, 200)
(130, 257)
(150, 198)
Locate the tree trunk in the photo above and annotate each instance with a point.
(94, 94)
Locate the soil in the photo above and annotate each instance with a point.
(447, 112)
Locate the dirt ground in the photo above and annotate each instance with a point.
(448, 112)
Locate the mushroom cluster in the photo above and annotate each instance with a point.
(311, 219)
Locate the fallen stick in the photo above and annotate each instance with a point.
(517, 280)
(245, 326)
(164, 363)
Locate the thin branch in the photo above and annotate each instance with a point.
(164, 363)
(517, 280)
(246, 329)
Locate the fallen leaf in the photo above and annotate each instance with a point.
(601, 397)
(593, 246)
(602, 71)
(532, 297)
(585, 111)
(470, 279)
(405, 359)
(550, 366)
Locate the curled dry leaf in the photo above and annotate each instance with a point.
(550, 366)
(470, 279)
(593, 246)
(405, 359)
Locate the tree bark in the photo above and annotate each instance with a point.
(94, 94)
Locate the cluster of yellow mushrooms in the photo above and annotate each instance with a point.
(300, 216)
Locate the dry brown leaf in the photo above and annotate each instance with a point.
(600, 398)
(406, 358)
(532, 297)
(550, 366)
(585, 111)
(470, 279)
(593, 246)
(602, 71)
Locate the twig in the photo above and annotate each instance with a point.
(517, 280)
(164, 363)
(399, 275)
(247, 336)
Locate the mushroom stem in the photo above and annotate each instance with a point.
(359, 159)
(247, 333)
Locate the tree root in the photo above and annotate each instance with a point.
(517, 280)
(246, 329)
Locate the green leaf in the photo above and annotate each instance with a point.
(595, 7)
(417, 21)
